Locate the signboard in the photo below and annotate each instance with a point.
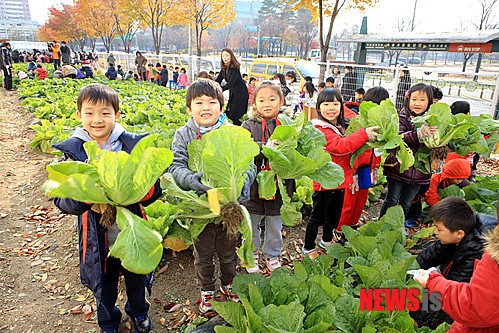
(471, 47)
(251, 28)
(409, 46)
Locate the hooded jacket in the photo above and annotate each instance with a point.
(457, 261)
(474, 305)
(260, 132)
(92, 237)
(454, 169)
(340, 148)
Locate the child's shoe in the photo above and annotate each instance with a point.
(312, 254)
(256, 268)
(227, 292)
(141, 324)
(323, 245)
(272, 263)
(204, 302)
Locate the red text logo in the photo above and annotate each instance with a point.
(411, 299)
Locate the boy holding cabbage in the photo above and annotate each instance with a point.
(204, 102)
(98, 111)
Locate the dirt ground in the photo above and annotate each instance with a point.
(39, 273)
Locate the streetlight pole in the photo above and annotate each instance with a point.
(258, 44)
(414, 15)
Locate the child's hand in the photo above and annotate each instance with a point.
(355, 185)
(194, 182)
(422, 277)
(273, 143)
(371, 133)
(426, 131)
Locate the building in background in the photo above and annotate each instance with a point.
(246, 11)
(15, 20)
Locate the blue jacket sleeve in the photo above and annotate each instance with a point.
(70, 206)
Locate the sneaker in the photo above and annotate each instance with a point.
(411, 223)
(227, 292)
(256, 268)
(324, 245)
(312, 254)
(204, 302)
(272, 263)
(142, 324)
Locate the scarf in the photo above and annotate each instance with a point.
(205, 129)
(112, 143)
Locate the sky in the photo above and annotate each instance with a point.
(431, 15)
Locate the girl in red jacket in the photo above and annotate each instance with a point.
(473, 305)
(327, 203)
(355, 200)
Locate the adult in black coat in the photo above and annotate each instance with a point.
(237, 105)
(65, 54)
(6, 64)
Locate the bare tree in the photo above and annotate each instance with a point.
(486, 18)
(306, 30)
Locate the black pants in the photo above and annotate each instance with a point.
(326, 212)
(108, 315)
(57, 64)
(7, 74)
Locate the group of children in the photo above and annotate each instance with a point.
(98, 110)
(163, 75)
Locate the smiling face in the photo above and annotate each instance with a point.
(98, 120)
(205, 110)
(226, 57)
(418, 102)
(268, 102)
(330, 110)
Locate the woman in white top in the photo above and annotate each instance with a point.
(338, 81)
(309, 100)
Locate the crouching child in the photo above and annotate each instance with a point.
(460, 241)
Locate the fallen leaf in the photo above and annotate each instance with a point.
(174, 308)
(181, 266)
(77, 309)
(162, 321)
(163, 269)
(36, 263)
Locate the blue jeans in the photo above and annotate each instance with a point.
(272, 239)
(399, 193)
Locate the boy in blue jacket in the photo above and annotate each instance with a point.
(98, 111)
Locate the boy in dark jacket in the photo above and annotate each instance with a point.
(98, 111)
(111, 72)
(164, 76)
(460, 233)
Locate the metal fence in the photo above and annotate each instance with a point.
(481, 90)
